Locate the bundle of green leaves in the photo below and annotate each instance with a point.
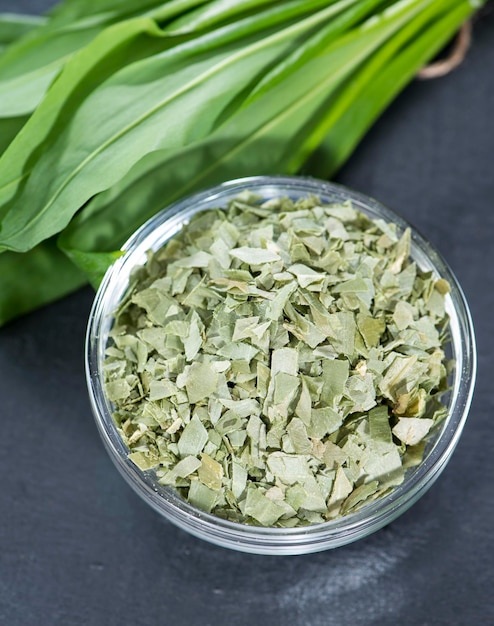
(109, 112)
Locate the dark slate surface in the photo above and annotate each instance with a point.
(78, 547)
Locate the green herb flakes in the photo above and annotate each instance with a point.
(279, 363)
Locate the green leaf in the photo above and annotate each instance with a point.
(253, 141)
(28, 67)
(188, 465)
(211, 472)
(335, 376)
(201, 85)
(385, 74)
(379, 427)
(261, 508)
(254, 256)
(70, 11)
(324, 421)
(13, 26)
(289, 468)
(402, 21)
(352, 14)
(9, 128)
(94, 265)
(211, 14)
(370, 328)
(31, 280)
(359, 495)
(342, 487)
(89, 67)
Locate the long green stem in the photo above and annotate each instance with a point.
(360, 105)
(355, 88)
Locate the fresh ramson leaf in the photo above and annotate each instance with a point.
(31, 65)
(385, 74)
(93, 64)
(93, 265)
(13, 26)
(9, 128)
(354, 13)
(264, 122)
(150, 186)
(28, 67)
(70, 11)
(203, 85)
(217, 12)
(29, 281)
(406, 20)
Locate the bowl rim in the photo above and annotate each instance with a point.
(274, 540)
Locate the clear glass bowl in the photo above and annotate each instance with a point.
(152, 235)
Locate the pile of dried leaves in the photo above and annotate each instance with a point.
(279, 363)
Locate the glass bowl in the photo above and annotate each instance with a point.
(152, 235)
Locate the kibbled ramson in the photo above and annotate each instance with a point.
(279, 363)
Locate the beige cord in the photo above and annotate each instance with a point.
(454, 59)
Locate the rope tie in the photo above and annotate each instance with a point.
(455, 58)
